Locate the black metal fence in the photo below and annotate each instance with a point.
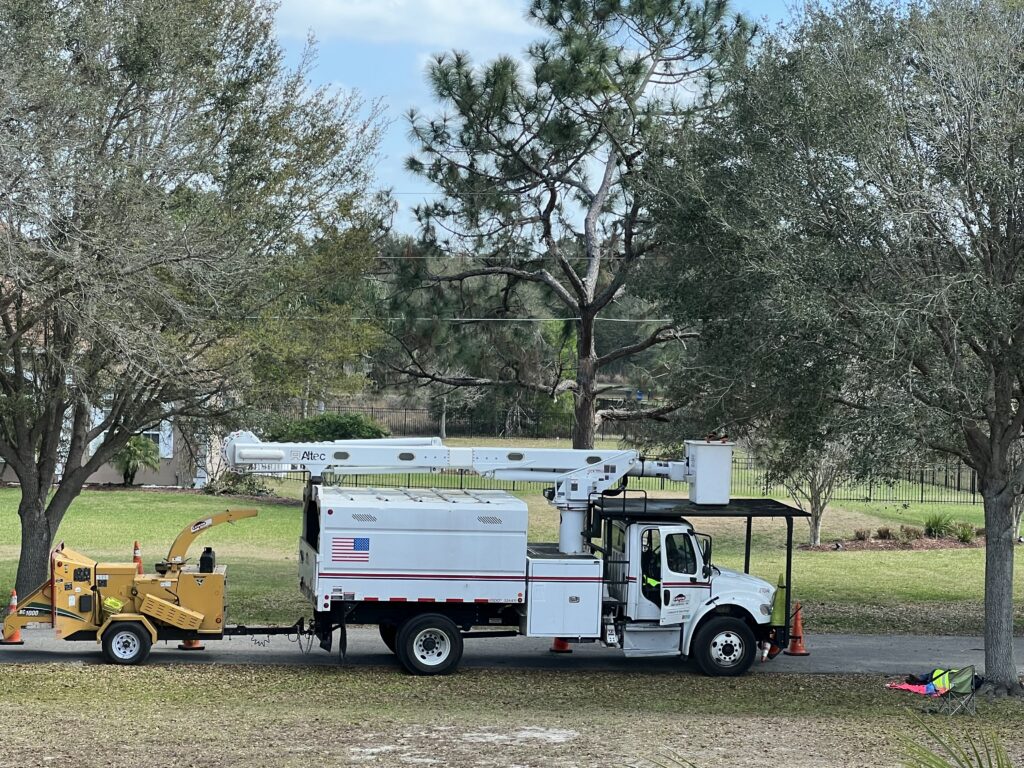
(950, 483)
(422, 422)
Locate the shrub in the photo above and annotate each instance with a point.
(138, 453)
(884, 533)
(862, 534)
(910, 532)
(326, 426)
(938, 525)
(964, 532)
(979, 532)
(237, 484)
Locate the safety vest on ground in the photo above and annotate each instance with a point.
(940, 678)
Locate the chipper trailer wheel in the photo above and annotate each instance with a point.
(429, 645)
(126, 643)
(724, 647)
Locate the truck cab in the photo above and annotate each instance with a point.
(667, 598)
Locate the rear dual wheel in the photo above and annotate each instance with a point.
(430, 644)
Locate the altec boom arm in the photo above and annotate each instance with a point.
(575, 475)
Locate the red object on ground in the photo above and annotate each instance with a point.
(796, 643)
(11, 610)
(560, 645)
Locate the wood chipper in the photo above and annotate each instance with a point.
(126, 610)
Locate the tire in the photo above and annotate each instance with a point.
(724, 647)
(126, 643)
(430, 644)
(389, 634)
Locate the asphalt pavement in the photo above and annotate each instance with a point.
(829, 654)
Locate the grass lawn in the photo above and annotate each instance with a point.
(937, 591)
(370, 716)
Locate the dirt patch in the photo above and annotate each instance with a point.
(882, 545)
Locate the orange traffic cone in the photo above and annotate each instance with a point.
(796, 643)
(191, 645)
(12, 609)
(560, 645)
(137, 558)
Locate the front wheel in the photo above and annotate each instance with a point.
(126, 643)
(429, 645)
(724, 647)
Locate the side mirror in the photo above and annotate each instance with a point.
(705, 550)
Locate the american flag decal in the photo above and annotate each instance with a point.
(350, 550)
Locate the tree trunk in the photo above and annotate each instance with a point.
(583, 430)
(814, 522)
(817, 512)
(443, 428)
(585, 405)
(1000, 667)
(36, 538)
(39, 523)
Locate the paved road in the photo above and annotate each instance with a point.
(842, 654)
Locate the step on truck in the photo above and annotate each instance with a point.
(435, 567)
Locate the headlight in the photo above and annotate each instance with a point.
(766, 609)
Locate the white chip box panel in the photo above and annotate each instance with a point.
(563, 596)
(421, 546)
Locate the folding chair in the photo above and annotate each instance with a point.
(960, 696)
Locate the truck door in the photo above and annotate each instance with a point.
(683, 588)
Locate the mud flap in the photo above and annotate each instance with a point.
(343, 643)
(323, 630)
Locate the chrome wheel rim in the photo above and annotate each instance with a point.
(432, 647)
(727, 649)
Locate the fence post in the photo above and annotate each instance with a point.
(922, 485)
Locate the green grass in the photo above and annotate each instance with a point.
(915, 513)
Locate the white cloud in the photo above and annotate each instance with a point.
(438, 23)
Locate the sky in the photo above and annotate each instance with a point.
(381, 48)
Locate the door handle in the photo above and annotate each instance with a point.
(666, 597)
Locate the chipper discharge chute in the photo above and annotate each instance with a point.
(125, 611)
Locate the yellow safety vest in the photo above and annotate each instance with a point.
(940, 678)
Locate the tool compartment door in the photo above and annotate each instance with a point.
(682, 586)
(563, 595)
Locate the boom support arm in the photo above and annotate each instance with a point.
(575, 476)
(176, 555)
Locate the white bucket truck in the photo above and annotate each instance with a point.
(432, 567)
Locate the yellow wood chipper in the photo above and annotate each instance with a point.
(128, 611)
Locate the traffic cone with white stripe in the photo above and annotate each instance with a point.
(12, 609)
(137, 558)
(560, 645)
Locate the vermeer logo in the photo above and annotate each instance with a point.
(197, 527)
